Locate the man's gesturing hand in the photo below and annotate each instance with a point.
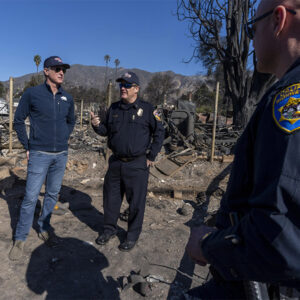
(95, 119)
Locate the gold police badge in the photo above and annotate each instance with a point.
(140, 112)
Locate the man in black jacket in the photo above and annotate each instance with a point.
(135, 136)
(51, 113)
(263, 191)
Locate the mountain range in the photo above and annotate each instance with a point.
(94, 77)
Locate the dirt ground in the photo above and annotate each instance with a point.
(79, 268)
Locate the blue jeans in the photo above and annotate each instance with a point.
(41, 167)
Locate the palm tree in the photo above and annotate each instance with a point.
(37, 59)
(107, 60)
(117, 62)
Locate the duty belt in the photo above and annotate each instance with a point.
(127, 159)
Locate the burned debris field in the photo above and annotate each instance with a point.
(184, 190)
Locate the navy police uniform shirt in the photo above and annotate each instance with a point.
(264, 189)
(132, 129)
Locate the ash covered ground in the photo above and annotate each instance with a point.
(79, 268)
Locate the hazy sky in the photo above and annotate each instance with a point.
(142, 34)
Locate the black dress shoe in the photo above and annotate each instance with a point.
(127, 245)
(103, 238)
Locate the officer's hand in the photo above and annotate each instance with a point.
(95, 119)
(150, 163)
(27, 155)
(193, 247)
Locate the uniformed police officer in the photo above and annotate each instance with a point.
(263, 192)
(135, 135)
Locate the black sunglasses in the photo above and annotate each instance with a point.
(249, 26)
(126, 85)
(58, 69)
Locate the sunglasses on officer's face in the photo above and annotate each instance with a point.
(127, 85)
(58, 69)
(250, 30)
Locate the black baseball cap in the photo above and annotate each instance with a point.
(55, 61)
(129, 77)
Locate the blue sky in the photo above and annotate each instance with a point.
(142, 34)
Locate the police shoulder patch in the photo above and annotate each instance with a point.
(286, 108)
(157, 114)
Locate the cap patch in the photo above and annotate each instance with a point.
(58, 59)
(286, 108)
(127, 75)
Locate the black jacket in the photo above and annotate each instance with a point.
(132, 129)
(264, 188)
(51, 119)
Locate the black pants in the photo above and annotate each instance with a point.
(213, 290)
(228, 290)
(130, 178)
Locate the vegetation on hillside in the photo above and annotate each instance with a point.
(160, 87)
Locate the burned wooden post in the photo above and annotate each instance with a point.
(90, 118)
(165, 100)
(214, 124)
(81, 113)
(109, 94)
(108, 103)
(11, 88)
